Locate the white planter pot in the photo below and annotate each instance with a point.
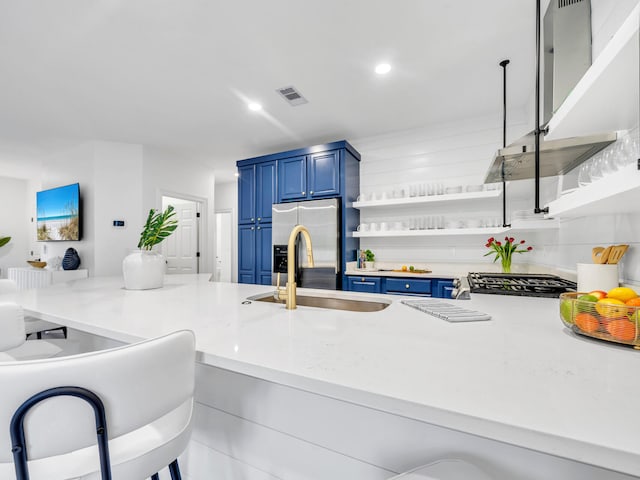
(370, 265)
(143, 270)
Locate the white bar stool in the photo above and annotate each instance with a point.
(13, 339)
(123, 413)
(9, 289)
(446, 469)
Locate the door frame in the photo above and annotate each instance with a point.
(203, 228)
(234, 242)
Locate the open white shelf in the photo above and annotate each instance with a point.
(408, 201)
(532, 225)
(433, 233)
(606, 98)
(616, 193)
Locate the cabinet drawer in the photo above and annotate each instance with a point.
(406, 285)
(364, 284)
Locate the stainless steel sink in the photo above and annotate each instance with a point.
(333, 303)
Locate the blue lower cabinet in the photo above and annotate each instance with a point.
(364, 284)
(263, 254)
(410, 286)
(444, 288)
(254, 254)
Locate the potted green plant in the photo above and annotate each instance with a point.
(369, 260)
(144, 269)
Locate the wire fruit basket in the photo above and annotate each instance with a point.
(605, 319)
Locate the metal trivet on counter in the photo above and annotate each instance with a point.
(447, 311)
(524, 284)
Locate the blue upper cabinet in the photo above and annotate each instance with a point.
(247, 194)
(256, 192)
(265, 190)
(323, 174)
(304, 177)
(292, 178)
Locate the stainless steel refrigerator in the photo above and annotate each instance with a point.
(322, 219)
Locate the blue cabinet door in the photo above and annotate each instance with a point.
(263, 254)
(444, 288)
(246, 194)
(266, 193)
(364, 284)
(324, 174)
(292, 178)
(246, 254)
(410, 286)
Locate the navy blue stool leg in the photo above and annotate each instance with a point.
(155, 477)
(174, 469)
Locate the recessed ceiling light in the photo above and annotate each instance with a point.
(236, 174)
(254, 107)
(383, 68)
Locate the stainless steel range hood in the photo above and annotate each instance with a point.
(567, 56)
(557, 157)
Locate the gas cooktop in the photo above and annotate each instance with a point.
(523, 284)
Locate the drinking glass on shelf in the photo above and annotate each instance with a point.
(584, 177)
(607, 164)
(595, 170)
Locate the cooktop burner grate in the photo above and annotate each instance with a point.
(524, 284)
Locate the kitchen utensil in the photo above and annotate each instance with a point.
(600, 254)
(616, 253)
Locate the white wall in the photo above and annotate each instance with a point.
(227, 201)
(14, 216)
(118, 196)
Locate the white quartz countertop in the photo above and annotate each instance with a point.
(521, 378)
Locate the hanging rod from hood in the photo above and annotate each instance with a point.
(504, 64)
(538, 130)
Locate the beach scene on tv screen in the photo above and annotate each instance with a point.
(58, 214)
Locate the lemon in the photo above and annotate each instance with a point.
(624, 294)
(611, 308)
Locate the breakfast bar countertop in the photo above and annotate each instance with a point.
(520, 378)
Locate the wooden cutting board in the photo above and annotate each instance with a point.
(412, 271)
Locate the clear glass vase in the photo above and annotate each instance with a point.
(506, 265)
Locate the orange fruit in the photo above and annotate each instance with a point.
(587, 323)
(622, 329)
(611, 308)
(634, 302)
(404, 268)
(623, 294)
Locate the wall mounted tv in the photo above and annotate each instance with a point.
(58, 214)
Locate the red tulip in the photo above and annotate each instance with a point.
(521, 241)
(529, 248)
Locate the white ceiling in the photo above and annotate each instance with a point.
(178, 73)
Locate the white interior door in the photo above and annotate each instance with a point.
(181, 248)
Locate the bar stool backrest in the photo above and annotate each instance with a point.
(147, 390)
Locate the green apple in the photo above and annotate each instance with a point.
(586, 303)
(566, 311)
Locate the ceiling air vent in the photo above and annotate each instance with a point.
(292, 96)
(566, 3)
